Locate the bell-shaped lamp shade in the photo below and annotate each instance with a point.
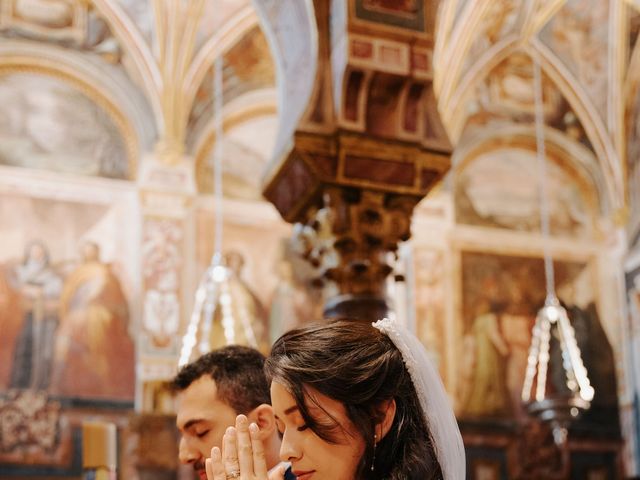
(544, 398)
(225, 312)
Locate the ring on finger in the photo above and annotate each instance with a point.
(233, 474)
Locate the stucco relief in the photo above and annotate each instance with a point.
(162, 262)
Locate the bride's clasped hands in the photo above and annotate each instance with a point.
(242, 456)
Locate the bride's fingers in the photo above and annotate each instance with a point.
(245, 452)
(230, 452)
(214, 467)
(259, 460)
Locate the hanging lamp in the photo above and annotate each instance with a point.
(553, 403)
(224, 312)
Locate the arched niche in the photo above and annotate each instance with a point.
(496, 183)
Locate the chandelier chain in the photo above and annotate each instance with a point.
(542, 183)
(217, 161)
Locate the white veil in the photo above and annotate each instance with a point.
(445, 434)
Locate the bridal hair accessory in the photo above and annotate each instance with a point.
(437, 411)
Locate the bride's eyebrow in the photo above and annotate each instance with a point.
(288, 411)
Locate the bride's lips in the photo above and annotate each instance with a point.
(301, 475)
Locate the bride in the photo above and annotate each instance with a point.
(353, 401)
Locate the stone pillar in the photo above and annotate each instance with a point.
(361, 143)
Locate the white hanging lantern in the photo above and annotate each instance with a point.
(224, 311)
(543, 400)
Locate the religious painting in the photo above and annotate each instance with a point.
(65, 323)
(500, 299)
(500, 189)
(276, 281)
(509, 89)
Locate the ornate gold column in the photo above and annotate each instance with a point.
(361, 141)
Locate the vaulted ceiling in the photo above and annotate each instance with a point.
(148, 67)
(589, 55)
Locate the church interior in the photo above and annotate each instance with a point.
(249, 166)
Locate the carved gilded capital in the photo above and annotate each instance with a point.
(350, 166)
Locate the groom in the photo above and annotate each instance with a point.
(211, 392)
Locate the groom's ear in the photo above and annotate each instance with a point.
(387, 412)
(264, 417)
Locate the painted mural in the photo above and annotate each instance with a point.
(501, 296)
(66, 325)
(67, 317)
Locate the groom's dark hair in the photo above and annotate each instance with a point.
(238, 372)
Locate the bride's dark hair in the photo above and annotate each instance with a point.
(357, 365)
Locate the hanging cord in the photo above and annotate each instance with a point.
(542, 184)
(203, 310)
(216, 259)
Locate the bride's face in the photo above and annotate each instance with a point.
(312, 457)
